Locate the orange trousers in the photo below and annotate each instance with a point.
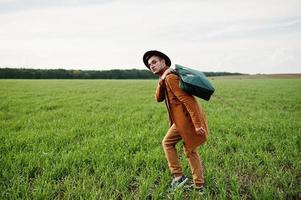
(169, 142)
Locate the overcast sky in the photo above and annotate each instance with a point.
(247, 36)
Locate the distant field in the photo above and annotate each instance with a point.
(101, 139)
(260, 76)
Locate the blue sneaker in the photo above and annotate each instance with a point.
(175, 184)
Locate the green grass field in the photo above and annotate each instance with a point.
(101, 139)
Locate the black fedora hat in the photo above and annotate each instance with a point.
(151, 53)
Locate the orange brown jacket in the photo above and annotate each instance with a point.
(184, 111)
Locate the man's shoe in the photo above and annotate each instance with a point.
(175, 184)
(198, 189)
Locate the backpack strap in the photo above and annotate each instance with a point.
(167, 103)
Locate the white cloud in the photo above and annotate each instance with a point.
(213, 35)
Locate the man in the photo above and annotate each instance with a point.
(187, 121)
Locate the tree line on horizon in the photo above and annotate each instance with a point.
(22, 73)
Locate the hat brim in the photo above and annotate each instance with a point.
(151, 53)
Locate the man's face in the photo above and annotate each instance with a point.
(156, 64)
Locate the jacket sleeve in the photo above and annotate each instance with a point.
(188, 100)
(160, 94)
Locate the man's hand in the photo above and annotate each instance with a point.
(200, 131)
(165, 74)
